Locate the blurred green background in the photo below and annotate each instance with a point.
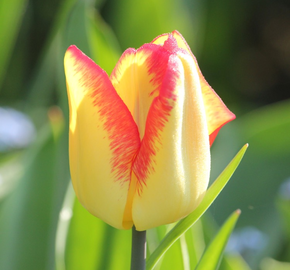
(243, 49)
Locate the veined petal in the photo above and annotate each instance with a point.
(103, 140)
(217, 114)
(176, 136)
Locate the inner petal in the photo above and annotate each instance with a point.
(137, 77)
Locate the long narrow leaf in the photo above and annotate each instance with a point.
(11, 13)
(183, 225)
(29, 214)
(211, 258)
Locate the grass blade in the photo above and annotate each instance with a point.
(211, 258)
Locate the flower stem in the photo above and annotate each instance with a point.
(138, 253)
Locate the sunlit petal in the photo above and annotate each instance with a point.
(173, 163)
(217, 114)
(136, 77)
(103, 140)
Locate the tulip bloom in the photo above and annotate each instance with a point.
(139, 140)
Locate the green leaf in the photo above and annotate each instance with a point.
(212, 256)
(176, 257)
(11, 13)
(283, 205)
(230, 261)
(44, 77)
(86, 242)
(11, 170)
(104, 47)
(260, 176)
(186, 251)
(29, 213)
(284, 208)
(88, 31)
(271, 264)
(234, 262)
(195, 242)
(183, 225)
(127, 20)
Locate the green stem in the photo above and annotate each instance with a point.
(138, 253)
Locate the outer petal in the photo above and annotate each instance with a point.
(103, 140)
(173, 163)
(137, 78)
(217, 113)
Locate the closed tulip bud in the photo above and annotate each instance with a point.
(139, 140)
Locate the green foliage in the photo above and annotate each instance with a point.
(211, 258)
(11, 13)
(136, 28)
(270, 264)
(29, 213)
(85, 242)
(43, 226)
(266, 130)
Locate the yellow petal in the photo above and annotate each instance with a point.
(173, 163)
(103, 140)
(217, 113)
(136, 77)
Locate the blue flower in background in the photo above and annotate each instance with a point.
(16, 130)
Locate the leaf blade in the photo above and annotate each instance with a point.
(211, 258)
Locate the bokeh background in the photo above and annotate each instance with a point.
(243, 49)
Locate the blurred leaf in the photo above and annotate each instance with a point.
(11, 13)
(230, 260)
(138, 22)
(177, 257)
(44, 77)
(284, 208)
(65, 216)
(45, 74)
(86, 29)
(90, 244)
(103, 43)
(184, 253)
(195, 242)
(212, 256)
(234, 262)
(84, 240)
(260, 175)
(11, 170)
(183, 225)
(283, 205)
(270, 264)
(75, 31)
(174, 257)
(77, 22)
(29, 214)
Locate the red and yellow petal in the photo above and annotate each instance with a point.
(139, 150)
(172, 165)
(103, 140)
(137, 76)
(217, 113)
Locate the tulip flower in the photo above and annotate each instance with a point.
(139, 140)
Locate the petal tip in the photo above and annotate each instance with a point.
(72, 48)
